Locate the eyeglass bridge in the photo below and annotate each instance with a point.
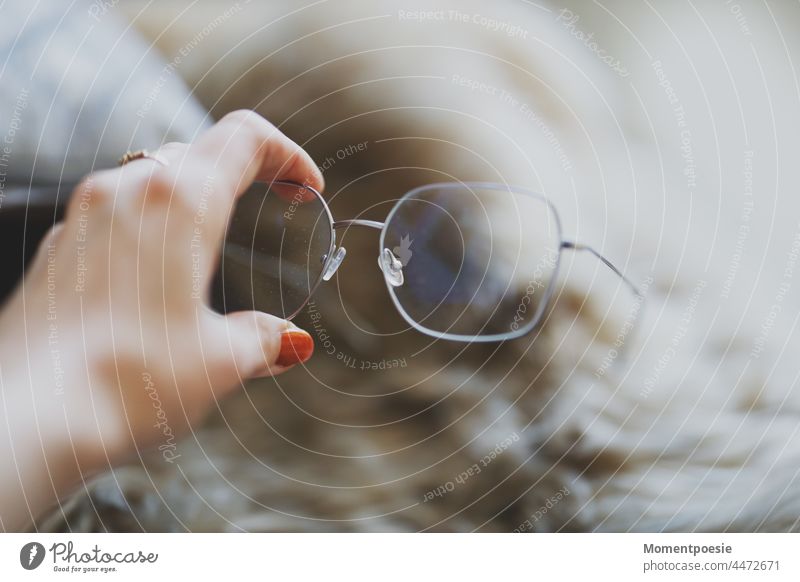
(357, 222)
(388, 263)
(340, 252)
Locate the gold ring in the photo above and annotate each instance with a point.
(141, 155)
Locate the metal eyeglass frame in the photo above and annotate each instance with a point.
(390, 266)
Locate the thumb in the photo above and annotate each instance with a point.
(265, 345)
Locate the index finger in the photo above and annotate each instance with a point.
(244, 147)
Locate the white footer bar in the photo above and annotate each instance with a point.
(402, 557)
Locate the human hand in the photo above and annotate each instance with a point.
(109, 345)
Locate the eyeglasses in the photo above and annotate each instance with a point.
(468, 262)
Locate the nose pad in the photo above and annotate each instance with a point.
(392, 268)
(337, 259)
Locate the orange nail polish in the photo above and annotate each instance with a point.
(296, 346)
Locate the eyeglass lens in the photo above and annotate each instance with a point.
(476, 260)
(275, 249)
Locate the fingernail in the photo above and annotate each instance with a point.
(296, 346)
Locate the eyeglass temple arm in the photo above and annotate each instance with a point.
(582, 247)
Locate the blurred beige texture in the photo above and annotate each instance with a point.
(687, 431)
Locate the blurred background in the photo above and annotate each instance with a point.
(664, 132)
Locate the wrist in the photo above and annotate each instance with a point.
(37, 458)
(53, 418)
